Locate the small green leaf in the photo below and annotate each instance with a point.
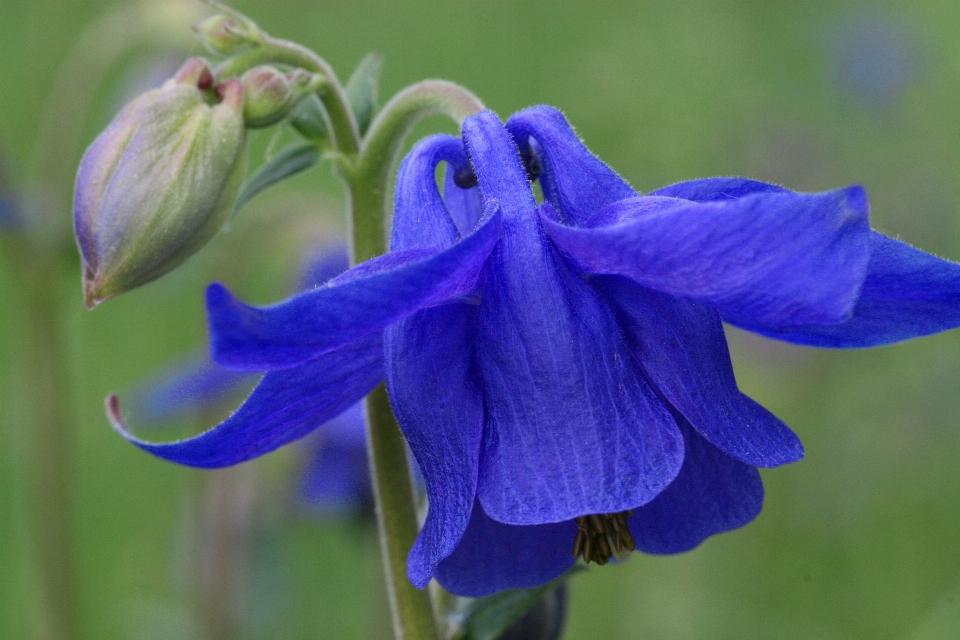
(362, 90)
(310, 121)
(487, 618)
(289, 161)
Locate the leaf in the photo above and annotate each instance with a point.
(362, 90)
(487, 618)
(310, 120)
(289, 161)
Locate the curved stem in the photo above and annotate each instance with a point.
(332, 95)
(381, 147)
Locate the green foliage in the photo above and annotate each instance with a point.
(362, 89)
(310, 121)
(289, 161)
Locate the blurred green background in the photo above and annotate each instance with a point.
(859, 540)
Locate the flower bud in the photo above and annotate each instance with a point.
(159, 182)
(270, 94)
(225, 35)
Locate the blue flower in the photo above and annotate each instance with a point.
(560, 369)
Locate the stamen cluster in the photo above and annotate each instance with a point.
(603, 536)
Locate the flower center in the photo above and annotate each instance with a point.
(602, 536)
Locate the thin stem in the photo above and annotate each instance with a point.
(332, 94)
(368, 181)
(396, 519)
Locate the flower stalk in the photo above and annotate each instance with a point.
(366, 164)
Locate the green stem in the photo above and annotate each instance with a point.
(332, 95)
(396, 519)
(366, 166)
(368, 181)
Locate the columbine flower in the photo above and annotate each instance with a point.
(560, 370)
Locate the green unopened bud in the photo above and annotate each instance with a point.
(270, 94)
(159, 182)
(225, 35)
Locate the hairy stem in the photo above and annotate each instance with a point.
(332, 94)
(368, 181)
(396, 519)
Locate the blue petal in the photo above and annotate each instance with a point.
(285, 406)
(683, 350)
(712, 189)
(435, 393)
(493, 556)
(337, 478)
(365, 299)
(771, 257)
(574, 181)
(572, 427)
(421, 220)
(191, 386)
(907, 293)
(713, 493)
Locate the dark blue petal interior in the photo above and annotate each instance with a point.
(492, 556)
(712, 493)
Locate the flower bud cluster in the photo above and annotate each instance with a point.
(160, 181)
(270, 94)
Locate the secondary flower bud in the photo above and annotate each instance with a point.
(225, 35)
(159, 182)
(270, 94)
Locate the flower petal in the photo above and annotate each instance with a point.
(285, 406)
(572, 426)
(907, 293)
(365, 299)
(682, 348)
(712, 493)
(493, 556)
(435, 393)
(574, 181)
(771, 257)
(421, 220)
(712, 189)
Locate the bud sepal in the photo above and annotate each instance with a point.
(159, 182)
(225, 34)
(270, 95)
